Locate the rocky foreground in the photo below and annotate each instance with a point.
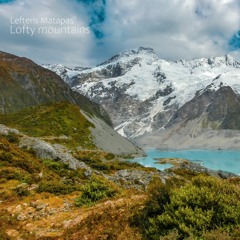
(42, 189)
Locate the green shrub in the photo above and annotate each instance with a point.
(108, 166)
(201, 206)
(93, 191)
(11, 173)
(96, 164)
(61, 169)
(110, 156)
(56, 187)
(21, 191)
(55, 166)
(12, 138)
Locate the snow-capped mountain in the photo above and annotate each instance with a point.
(143, 93)
(64, 72)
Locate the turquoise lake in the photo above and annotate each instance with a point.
(216, 160)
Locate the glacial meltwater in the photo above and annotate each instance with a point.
(215, 160)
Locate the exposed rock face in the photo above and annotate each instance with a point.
(221, 107)
(45, 150)
(144, 94)
(209, 121)
(197, 168)
(4, 130)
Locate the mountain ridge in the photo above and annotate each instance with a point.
(28, 88)
(141, 92)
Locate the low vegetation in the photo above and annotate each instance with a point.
(61, 122)
(94, 190)
(204, 208)
(95, 161)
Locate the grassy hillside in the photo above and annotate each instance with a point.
(25, 84)
(44, 199)
(35, 192)
(60, 122)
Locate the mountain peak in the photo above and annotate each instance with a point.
(224, 60)
(141, 52)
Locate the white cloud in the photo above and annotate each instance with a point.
(71, 49)
(174, 28)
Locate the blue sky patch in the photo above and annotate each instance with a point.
(6, 1)
(97, 13)
(234, 42)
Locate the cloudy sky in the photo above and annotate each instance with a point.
(86, 32)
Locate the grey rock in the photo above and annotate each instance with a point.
(132, 178)
(196, 167)
(41, 206)
(4, 130)
(21, 217)
(57, 152)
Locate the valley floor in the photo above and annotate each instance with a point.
(185, 140)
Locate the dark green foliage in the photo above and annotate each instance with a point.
(12, 138)
(56, 187)
(93, 191)
(110, 156)
(109, 166)
(96, 164)
(56, 120)
(199, 207)
(11, 173)
(62, 170)
(21, 191)
(58, 167)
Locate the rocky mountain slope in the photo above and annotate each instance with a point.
(209, 121)
(25, 84)
(143, 94)
(66, 73)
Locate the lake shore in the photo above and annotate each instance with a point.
(216, 160)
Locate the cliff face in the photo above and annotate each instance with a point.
(217, 110)
(209, 121)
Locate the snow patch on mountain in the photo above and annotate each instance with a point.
(141, 92)
(64, 72)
